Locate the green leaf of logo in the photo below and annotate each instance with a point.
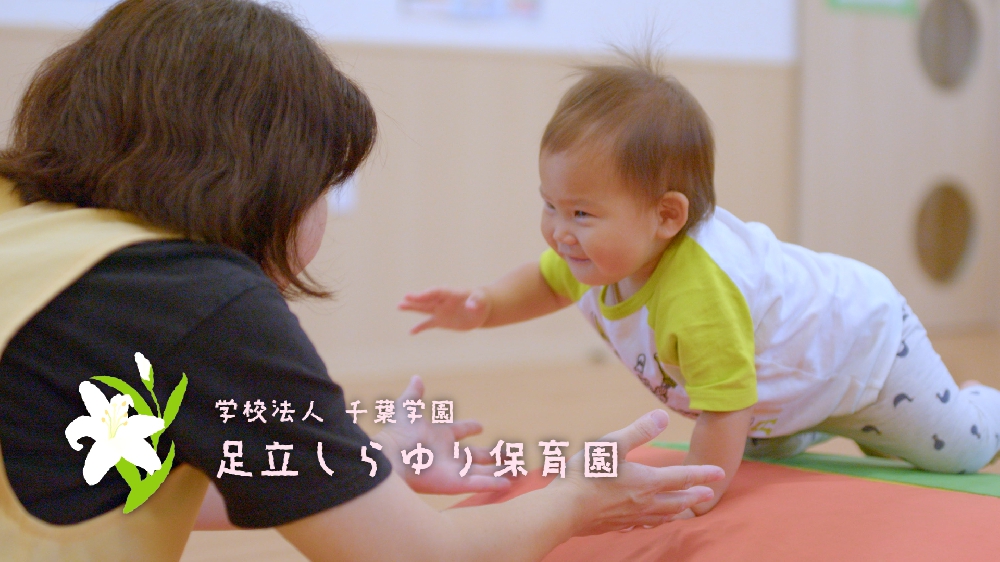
(145, 488)
(173, 405)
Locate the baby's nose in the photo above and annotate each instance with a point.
(564, 236)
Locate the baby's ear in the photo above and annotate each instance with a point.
(673, 212)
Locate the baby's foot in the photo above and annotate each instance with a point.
(995, 458)
(869, 452)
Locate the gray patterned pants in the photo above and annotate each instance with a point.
(920, 415)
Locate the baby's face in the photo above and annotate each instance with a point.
(594, 222)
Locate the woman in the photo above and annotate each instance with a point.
(168, 173)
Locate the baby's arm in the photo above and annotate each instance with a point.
(520, 295)
(719, 438)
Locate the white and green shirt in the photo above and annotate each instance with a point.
(736, 318)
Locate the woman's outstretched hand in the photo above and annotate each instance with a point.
(443, 476)
(390, 522)
(640, 494)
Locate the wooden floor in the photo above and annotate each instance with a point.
(573, 403)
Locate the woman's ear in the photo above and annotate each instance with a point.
(672, 211)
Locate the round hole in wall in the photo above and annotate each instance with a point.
(944, 230)
(949, 39)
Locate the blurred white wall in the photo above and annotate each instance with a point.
(740, 30)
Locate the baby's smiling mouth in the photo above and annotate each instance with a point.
(567, 257)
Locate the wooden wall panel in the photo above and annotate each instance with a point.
(877, 135)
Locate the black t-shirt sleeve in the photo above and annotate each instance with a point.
(252, 353)
(192, 308)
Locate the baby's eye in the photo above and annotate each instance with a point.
(549, 206)
(581, 214)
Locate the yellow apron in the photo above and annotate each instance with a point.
(44, 248)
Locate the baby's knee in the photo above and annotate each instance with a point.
(950, 455)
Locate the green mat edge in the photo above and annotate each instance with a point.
(882, 470)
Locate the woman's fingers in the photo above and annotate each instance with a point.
(682, 477)
(686, 514)
(641, 495)
(647, 522)
(677, 502)
(466, 428)
(484, 470)
(484, 483)
(414, 390)
(481, 455)
(642, 430)
(660, 509)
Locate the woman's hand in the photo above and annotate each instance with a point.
(442, 477)
(454, 309)
(390, 522)
(640, 495)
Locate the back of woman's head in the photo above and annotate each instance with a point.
(222, 120)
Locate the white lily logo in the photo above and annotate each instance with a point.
(116, 434)
(120, 440)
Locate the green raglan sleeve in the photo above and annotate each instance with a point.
(556, 272)
(702, 324)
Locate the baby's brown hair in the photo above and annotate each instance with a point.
(657, 133)
(222, 120)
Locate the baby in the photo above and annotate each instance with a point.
(769, 346)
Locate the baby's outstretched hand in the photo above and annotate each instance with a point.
(454, 309)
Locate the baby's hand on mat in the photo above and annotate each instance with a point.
(443, 476)
(455, 309)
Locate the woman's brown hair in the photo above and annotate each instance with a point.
(222, 120)
(655, 130)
